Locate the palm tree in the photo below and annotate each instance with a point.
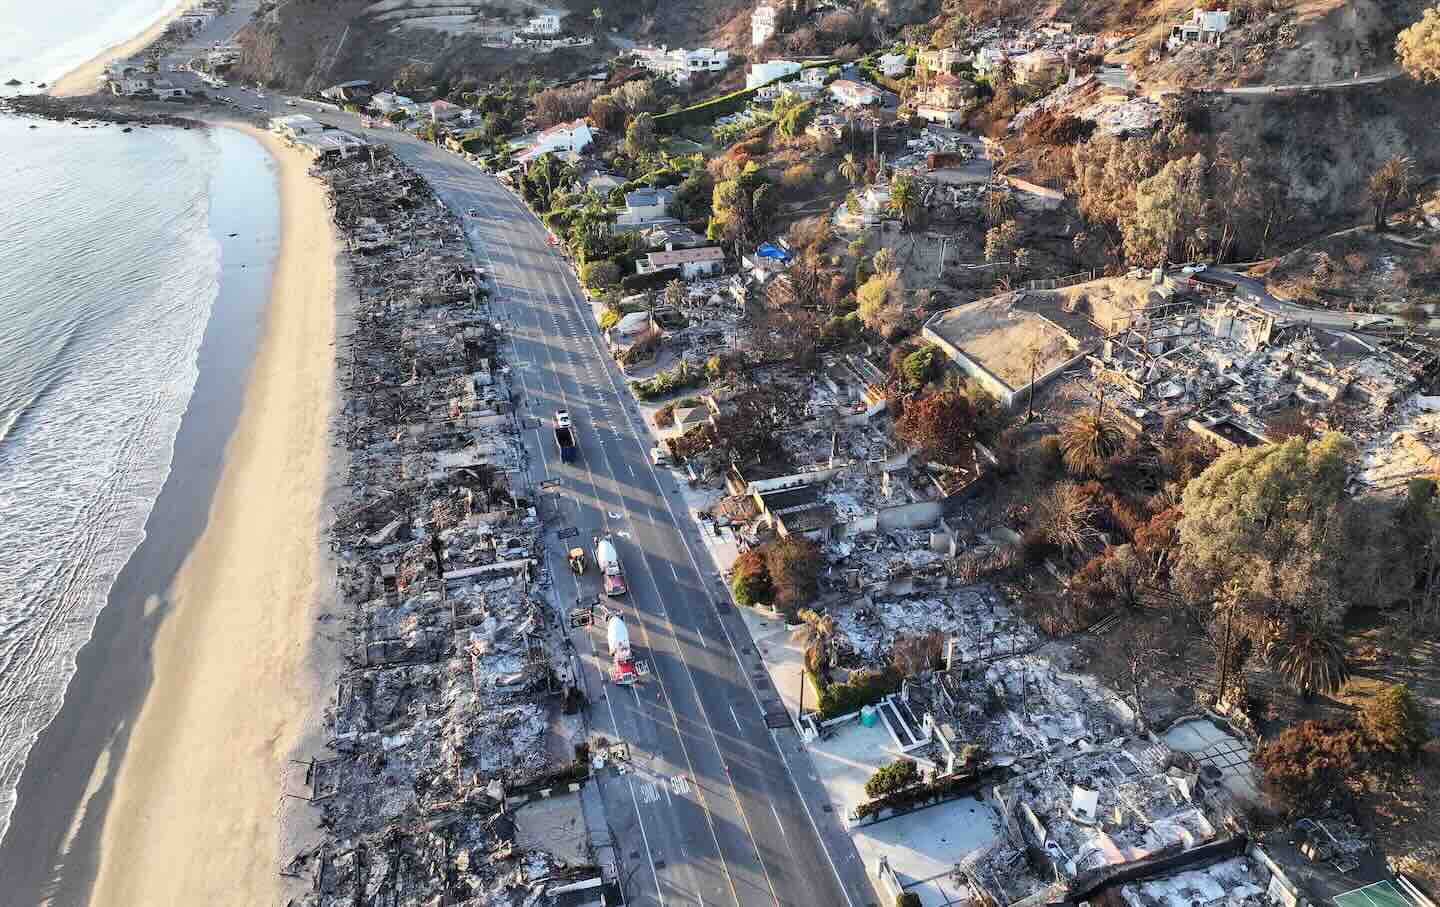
(1313, 659)
(850, 169)
(1388, 185)
(817, 636)
(904, 200)
(1088, 443)
(596, 15)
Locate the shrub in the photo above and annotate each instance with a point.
(907, 899)
(600, 275)
(920, 367)
(665, 416)
(794, 567)
(862, 689)
(1309, 762)
(1393, 722)
(609, 318)
(797, 177)
(888, 779)
(750, 579)
(634, 283)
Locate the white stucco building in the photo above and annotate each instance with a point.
(680, 64)
(547, 24)
(760, 73)
(763, 23)
(572, 136)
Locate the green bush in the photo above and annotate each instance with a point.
(750, 579)
(634, 283)
(1393, 721)
(888, 779)
(862, 689)
(907, 899)
(600, 275)
(714, 108)
(920, 366)
(609, 318)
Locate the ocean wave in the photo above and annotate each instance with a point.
(129, 273)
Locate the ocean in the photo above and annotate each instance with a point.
(133, 276)
(39, 42)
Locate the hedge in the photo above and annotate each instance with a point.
(862, 689)
(708, 111)
(653, 280)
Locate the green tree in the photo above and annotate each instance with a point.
(1087, 443)
(640, 135)
(920, 366)
(600, 275)
(742, 210)
(905, 199)
(881, 302)
(1170, 207)
(850, 169)
(816, 636)
(794, 567)
(1394, 722)
(889, 779)
(750, 579)
(1313, 659)
(1269, 523)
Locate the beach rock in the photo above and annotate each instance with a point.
(33, 126)
(13, 82)
(40, 85)
(127, 129)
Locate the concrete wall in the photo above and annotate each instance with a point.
(918, 515)
(979, 373)
(794, 480)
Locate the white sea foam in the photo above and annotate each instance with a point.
(107, 279)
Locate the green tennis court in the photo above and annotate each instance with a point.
(1380, 894)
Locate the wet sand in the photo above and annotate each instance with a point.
(85, 78)
(193, 818)
(159, 781)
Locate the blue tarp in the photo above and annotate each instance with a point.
(770, 250)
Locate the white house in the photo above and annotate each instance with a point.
(680, 64)
(854, 94)
(692, 263)
(763, 23)
(548, 24)
(443, 111)
(1205, 25)
(572, 136)
(648, 204)
(892, 65)
(296, 125)
(760, 73)
(149, 86)
(989, 58)
(387, 102)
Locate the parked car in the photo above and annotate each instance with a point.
(657, 456)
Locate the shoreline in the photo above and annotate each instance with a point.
(238, 670)
(83, 79)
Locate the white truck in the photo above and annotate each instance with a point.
(622, 663)
(609, 563)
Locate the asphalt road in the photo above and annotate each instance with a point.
(718, 808)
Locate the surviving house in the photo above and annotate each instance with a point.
(546, 24)
(679, 64)
(1204, 25)
(442, 111)
(762, 73)
(705, 261)
(944, 59)
(945, 100)
(892, 65)
(572, 136)
(294, 126)
(850, 93)
(357, 91)
(763, 23)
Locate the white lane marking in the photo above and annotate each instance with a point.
(675, 573)
(646, 838)
(735, 718)
(777, 820)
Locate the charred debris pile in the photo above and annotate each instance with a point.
(456, 698)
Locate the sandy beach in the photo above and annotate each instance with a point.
(84, 78)
(238, 678)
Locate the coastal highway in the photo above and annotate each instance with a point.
(716, 807)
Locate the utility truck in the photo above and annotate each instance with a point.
(622, 662)
(609, 563)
